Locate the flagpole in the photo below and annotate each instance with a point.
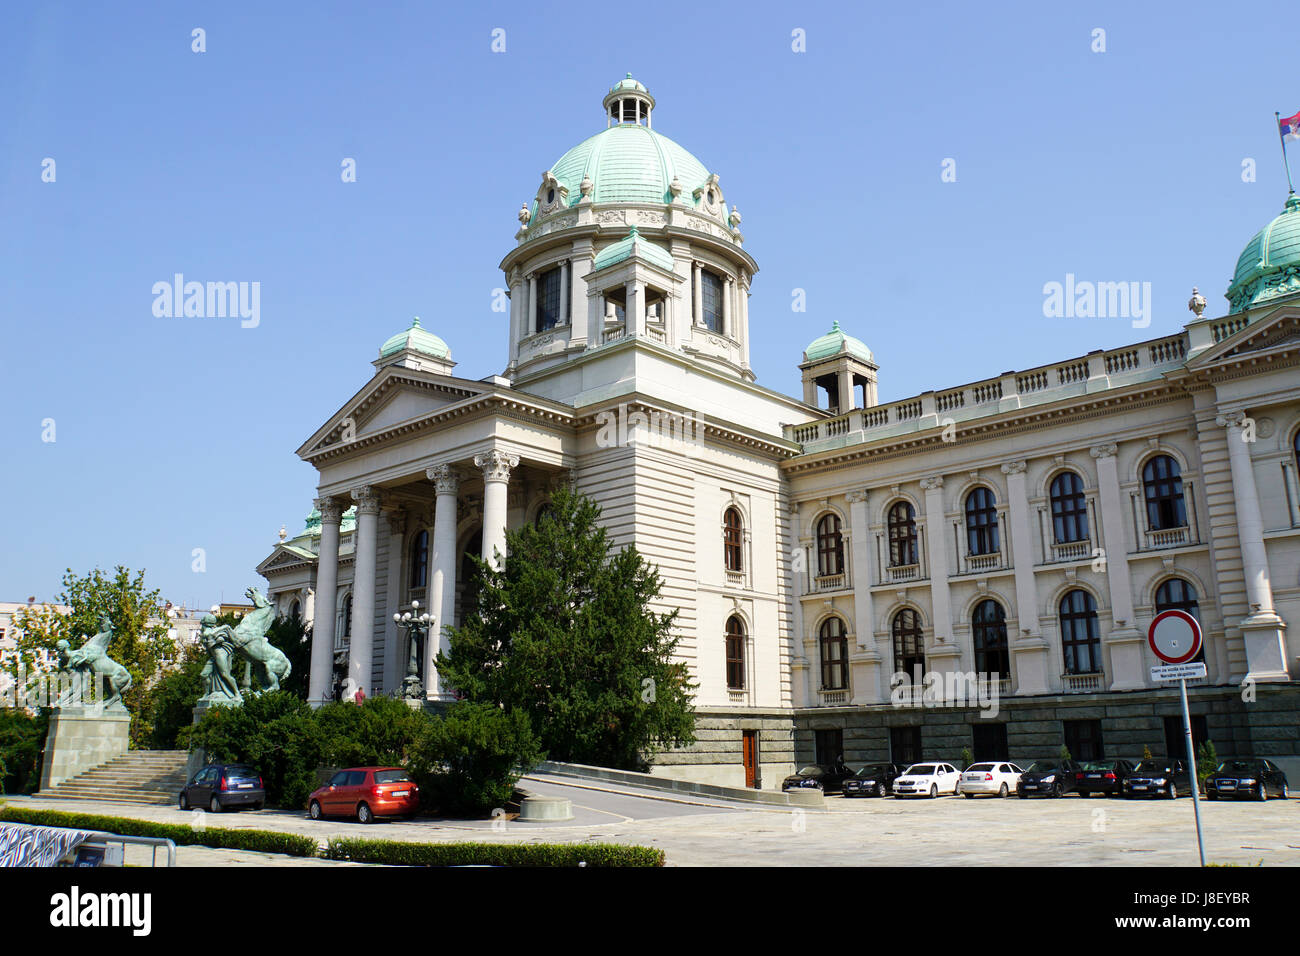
(1285, 165)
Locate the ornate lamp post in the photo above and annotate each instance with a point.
(416, 626)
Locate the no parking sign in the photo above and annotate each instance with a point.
(1175, 638)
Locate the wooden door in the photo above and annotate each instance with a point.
(750, 757)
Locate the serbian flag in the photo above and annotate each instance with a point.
(1289, 127)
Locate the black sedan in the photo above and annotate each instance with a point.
(1052, 777)
(873, 781)
(1247, 777)
(1158, 777)
(223, 786)
(825, 779)
(1102, 776)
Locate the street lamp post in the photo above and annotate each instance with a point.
(416, 626)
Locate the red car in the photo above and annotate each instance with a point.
(366, 793)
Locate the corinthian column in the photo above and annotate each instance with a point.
(327, 582)
(442, 585)
(496, 465)
(361, 652)
(1262, 628)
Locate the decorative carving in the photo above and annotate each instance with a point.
(331, 510)
(933, 483)
(585, 187)
(89, 663)
(524, 215)
(367, 500)
(247, 639)
(734, 218)
(1196, 303)
(857, 496)
(651, 218)
(675, 187)
(610, 215)
(496, 464)
(1014, 467)
(445, 479)
(1107, 450)
(1230, 419)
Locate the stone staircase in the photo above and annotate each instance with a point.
(138, 776)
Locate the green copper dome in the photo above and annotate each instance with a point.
(624, 249)
(418, 340)
(1269, 266)
(629, 163)
(833, 343)
(627, 83)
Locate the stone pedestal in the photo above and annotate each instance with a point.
(198, 758)
(82, 737)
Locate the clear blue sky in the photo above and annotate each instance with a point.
(173, 433)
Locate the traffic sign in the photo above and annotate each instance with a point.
(1174, 637)
(1178, 671)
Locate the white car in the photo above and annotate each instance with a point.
(998, 777)
(927, 780)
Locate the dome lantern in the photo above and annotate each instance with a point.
(628, 102)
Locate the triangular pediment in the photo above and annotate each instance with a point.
(1279, 329)
(285, 556)
(395, 395)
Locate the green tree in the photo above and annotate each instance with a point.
(380, 732)
(290, 635)
(469, 760)
(140, 641)
(174, 698)
(1065, 753)
(566, 633)
(22, 745)
(1207, 760)
(276, 734)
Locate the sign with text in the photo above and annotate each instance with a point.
(1177, 671)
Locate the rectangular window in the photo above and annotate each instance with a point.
(735, 662)
(830, 746)
(711, 301)
(548, 300)
(990, 741)
(904, 745)
(1083, 739)
(1176, 742)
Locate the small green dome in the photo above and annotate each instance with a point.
(624, 248)
(1269, 266)
(346, 523)
(627, 83)
(833, 343)
(416, 339)
(629, 163)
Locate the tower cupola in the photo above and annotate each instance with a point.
(628, 102)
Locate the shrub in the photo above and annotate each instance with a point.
(276, 734)
(1207, 760)
(22, 745)
(174, 697)
(967, 757)
(393, 853)
(469, 760)
(260, 841)
(382, 731)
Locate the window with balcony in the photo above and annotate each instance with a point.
(909, 644)
(735, 653)
(989, 627)
(981, 522)
(732, 540)
(901, 525)
(1177, 594)
(548, 299)
(830, 546)
(1069, 508)
(1080, 634)
(419, 560)
(1162, 486)
(834, 654)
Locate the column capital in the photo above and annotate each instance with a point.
(367, 499)
(1107, 450)
(445, 479)
(1014, 467)
(330, 508)
(496, 464)
(933, 483)
(857, 496)
(1230, 419)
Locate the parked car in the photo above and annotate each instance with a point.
(1102, 776)
(224, 786)
(873, 781)
(1160, 775)
(1051, 777)
(814, 777)
(366, 793)
(1247, 777)
(996, 778)
(927, 779)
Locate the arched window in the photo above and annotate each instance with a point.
(830, 546)
(989, 624)
(295, 610)
(1069, 508)
(732, 538)
(1295, 448)
(344, 630)
(1179, 595)
(909, 643)
(1080, 637)
(420, 560)
(1162, 483)
(835, 654)
(548, 300)
(901, 524)
(981, 522)
(735, 653)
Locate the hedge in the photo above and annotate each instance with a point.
(394, 853)
(261, 841)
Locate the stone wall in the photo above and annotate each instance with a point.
(715, 757)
